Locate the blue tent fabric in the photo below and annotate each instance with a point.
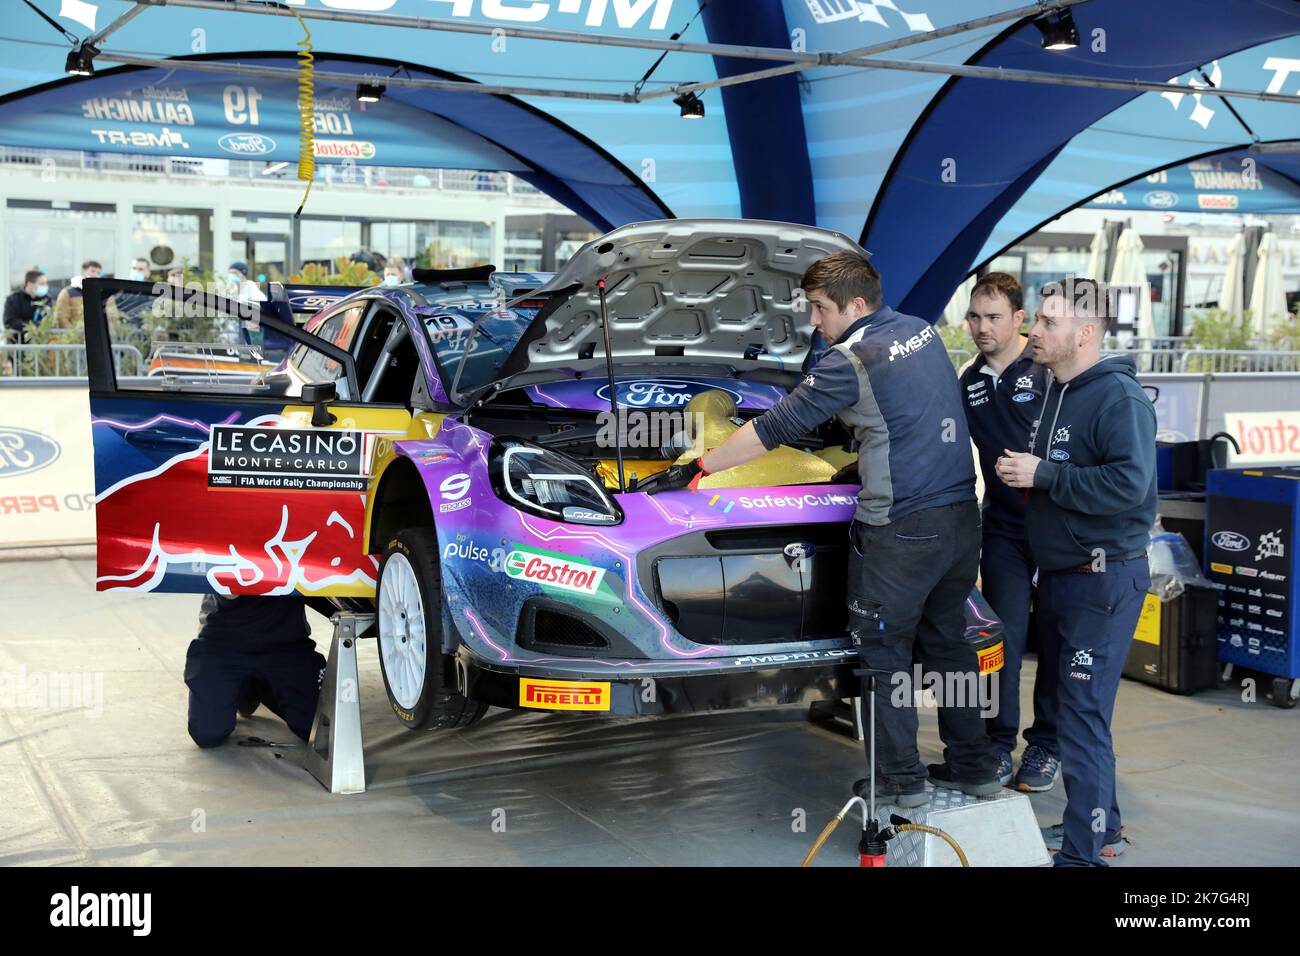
(863, 150)
(764, 118)
(923, 226)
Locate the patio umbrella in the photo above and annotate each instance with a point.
(1267, 294)
(1097, 257)
(1232, 293)
(1129, 270)
(954, 313)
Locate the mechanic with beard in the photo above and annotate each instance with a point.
(916, 533)
(1003, 390)
(251, 651)
(1090, 472)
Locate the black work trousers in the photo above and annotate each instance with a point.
(908, 582)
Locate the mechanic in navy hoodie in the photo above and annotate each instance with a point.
(1090, 473)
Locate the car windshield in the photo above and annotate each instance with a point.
(476, 351)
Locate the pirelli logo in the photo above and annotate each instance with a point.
(1220, 568)
(992, 658)
(564, 694)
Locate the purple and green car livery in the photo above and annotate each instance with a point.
(508, 563)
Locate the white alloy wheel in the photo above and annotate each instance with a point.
(403, 637)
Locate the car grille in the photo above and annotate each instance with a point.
(743, 586)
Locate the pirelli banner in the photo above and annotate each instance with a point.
(47, 479)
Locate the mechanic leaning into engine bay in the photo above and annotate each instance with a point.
(916, 532)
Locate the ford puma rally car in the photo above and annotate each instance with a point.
(447, 451)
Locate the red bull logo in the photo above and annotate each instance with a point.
(252, 542)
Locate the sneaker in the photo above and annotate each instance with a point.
(941, 775)
(1004, 768)
(250, 698)
(1038, 770)
(1113, 846)
(891, 793)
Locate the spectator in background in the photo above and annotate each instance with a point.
(393, 273)
(69, 309)
(240, 286)
(28, 305)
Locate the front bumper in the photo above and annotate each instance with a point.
(647, 694)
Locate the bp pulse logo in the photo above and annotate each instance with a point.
(660, 394)
(23, 451)
(247, 144)
(1230, 541)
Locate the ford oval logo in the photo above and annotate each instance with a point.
(1160, 199)
(664, 393)
(23, 451)
(1059, 454)
(247, 144)
(1230, 541)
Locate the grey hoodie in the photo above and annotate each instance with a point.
(1095, 490)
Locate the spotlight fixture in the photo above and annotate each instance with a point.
(1058, 30)
(370, 92)
(692, 106)
(81, 61)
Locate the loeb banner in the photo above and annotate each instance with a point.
(47, 478)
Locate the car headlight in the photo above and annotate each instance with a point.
(546, 483)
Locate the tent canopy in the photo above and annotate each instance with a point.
(932, 173)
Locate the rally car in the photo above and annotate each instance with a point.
(470, 453)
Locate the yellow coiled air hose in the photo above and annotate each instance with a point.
(306, 112)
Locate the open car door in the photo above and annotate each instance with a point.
(227, 466)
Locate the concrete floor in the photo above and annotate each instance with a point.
(112, 777)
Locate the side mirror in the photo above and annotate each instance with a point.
(317, 395)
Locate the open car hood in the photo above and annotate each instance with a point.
(680, 291)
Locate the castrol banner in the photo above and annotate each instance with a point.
(1265, 437)
(47, 481)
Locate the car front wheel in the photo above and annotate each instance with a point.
(409, 606)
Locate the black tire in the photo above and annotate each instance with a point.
(1282, 693)
(440, 705)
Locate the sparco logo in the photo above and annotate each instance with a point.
(918, 341)
(247, 144)
(554, 572)
(1230, 541)
(22, 451)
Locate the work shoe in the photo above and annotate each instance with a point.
(941, 775)
(250, 698)
(1004, 768)
(1113, 846)
(887, 792)
(1038, 770)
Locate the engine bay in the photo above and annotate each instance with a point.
(653, 439)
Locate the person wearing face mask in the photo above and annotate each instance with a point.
(393, 274)
(915, 538)
(28, 305)
(240, 286)
(69, 309)
(139, 270)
